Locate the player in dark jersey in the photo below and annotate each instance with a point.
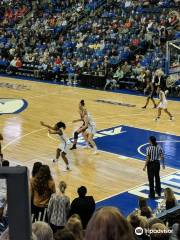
(83, 128)
(150, 87)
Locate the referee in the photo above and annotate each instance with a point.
(154, 154)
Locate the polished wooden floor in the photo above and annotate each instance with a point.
(26, 141)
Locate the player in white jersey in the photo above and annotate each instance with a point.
(62, 148)
(162, 104)
(91, 124)
(91, 129)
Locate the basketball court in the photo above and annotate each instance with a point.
(122, 137)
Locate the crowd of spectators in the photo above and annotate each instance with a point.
(58, 42)
(122, 40)
(56, 217)
(12, 11)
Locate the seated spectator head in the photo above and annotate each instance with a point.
(5, 235)
(143, 222)
(154, 220)
(142, 202)
(5, 163)
(159, 72)
(134, 220)
(160, 232)
(146, 212)
(82, 191)
(64, 234)
(42, 231)
(169, 198)
(107, 223)
(62, 186)
(36, 168)
(137, 221)
(76, 216)
(74, 224)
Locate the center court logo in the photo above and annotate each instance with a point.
(12, 106)
(105, 133)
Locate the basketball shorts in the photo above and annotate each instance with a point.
(91, 130)
(162, 105)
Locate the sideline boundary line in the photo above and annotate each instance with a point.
(134, 187)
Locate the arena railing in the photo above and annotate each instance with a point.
(18, 200)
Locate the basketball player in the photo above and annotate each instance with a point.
(83, 128)
(1, 155)
(62, 148)
(151, 88)
(91, 130)
(162, 104)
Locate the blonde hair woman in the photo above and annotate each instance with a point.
(58, 208)
(75, 226)
(168, 202)
(42, 231)
(169, 198)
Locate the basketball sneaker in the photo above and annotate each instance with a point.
(55, 160)
(171, 118)
(157, 119)
(95, 152)
(73, 147)
(67, 169)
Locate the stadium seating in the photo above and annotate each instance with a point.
(12, 11)
(89, 39)
(98, 36)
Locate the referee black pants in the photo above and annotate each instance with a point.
(153, 170)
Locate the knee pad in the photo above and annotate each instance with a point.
(76, 135)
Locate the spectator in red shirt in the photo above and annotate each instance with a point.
(57, 60)
(18, 63)
(135, 42)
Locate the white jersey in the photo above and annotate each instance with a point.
(91, 124)
(63, 142)
(163, 103)
(90, 120)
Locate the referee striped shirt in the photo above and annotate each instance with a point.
(154, 153)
